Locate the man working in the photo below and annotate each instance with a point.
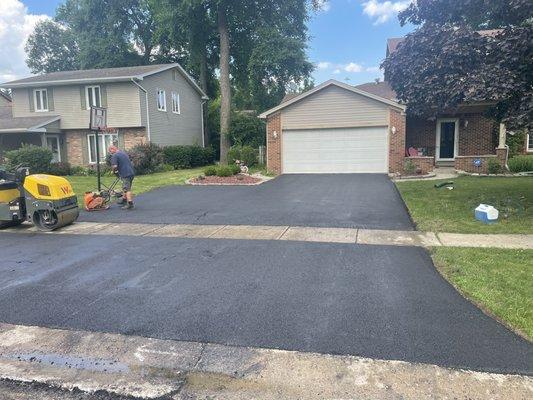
(121, 164)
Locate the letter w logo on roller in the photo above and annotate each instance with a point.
(65, 189)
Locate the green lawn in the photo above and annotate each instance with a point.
(443, 210)
(499, 281)
(141, 184)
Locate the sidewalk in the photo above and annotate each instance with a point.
(155, 369)
(293, 233)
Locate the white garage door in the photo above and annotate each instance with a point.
(346, 150)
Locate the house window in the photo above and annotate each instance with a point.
(40, 97)
(93, 96)
(176, 103)
(161, 100)
(530, 143)
(104, 140)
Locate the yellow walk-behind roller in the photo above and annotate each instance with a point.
(45, 200)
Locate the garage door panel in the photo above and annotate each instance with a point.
(349, 150)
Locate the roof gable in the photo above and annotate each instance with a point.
(327, 84)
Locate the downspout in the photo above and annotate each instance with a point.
(203, 127)
(147, 113)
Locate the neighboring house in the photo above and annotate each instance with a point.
(153, 103)
(335, 128)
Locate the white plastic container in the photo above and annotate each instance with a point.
(486, 214)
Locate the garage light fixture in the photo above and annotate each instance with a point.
(275, 134)
(393, 130)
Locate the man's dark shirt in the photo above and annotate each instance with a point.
(123, 163)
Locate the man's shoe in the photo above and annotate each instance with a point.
(128, 206)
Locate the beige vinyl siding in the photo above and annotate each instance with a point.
(168, 128)
(123, 104)
(335, 107)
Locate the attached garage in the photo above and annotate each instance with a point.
(335, 150)
(335, 128)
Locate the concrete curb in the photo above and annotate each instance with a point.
(291, 233)
(150, 369)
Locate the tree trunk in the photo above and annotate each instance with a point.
(203, 85)
(225, 89)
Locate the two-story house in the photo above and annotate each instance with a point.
(161, 104)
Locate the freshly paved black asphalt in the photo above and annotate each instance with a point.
(374, 301)
(344, 200)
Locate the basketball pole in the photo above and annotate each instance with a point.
(97, 143)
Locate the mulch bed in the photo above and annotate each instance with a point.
(239, 179)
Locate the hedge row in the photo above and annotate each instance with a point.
(146, 159)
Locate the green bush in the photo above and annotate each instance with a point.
(164, 168)
(516, 142)
(37, 159)
(235, 168)
(247, 130)
(182, 157)
(146, 158)
(210, 171)
(521, 164)
(494, 166)
(60, 169)
(79, 171)
(225, 170)
(247, 154)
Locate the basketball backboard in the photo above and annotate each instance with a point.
(98, 119)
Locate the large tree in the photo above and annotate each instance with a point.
(452, 58)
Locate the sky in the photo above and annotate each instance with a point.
(348, 37)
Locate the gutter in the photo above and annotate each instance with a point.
(203, 123)
(148, 132)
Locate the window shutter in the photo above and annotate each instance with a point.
(103, 95)
(83, 99)
(30, 98)
(50, 94)
(84, 148)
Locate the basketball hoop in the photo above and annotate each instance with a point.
(98, 119)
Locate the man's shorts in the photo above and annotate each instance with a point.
(127, 182)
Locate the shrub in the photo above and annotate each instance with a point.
(247, 130)
(164, 168)
(182, 157)
(516, 142)
(210, 171)
(409, 167)
(235, 168)
(37, 159)
(178, 156)
(60, 169)
(79, 171)
(520, 164)
(494, 166)
(247, 154)
(146, 158)
(225, 170)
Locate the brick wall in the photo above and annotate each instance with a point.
(77, 144)
(478, 137)
(466, 163)
(397, 120)
(274, 144)
(75, 147)
(424, 165)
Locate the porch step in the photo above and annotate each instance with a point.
(444, 163)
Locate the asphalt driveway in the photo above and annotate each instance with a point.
(344, 200)
(373, 301)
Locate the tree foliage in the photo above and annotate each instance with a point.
(51, 48)
(451, 58)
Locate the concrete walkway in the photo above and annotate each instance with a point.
(292, 233)
(119, 365)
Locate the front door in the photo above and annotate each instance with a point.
(446, 139)
(52, 142)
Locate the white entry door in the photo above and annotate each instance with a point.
(345, 150)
